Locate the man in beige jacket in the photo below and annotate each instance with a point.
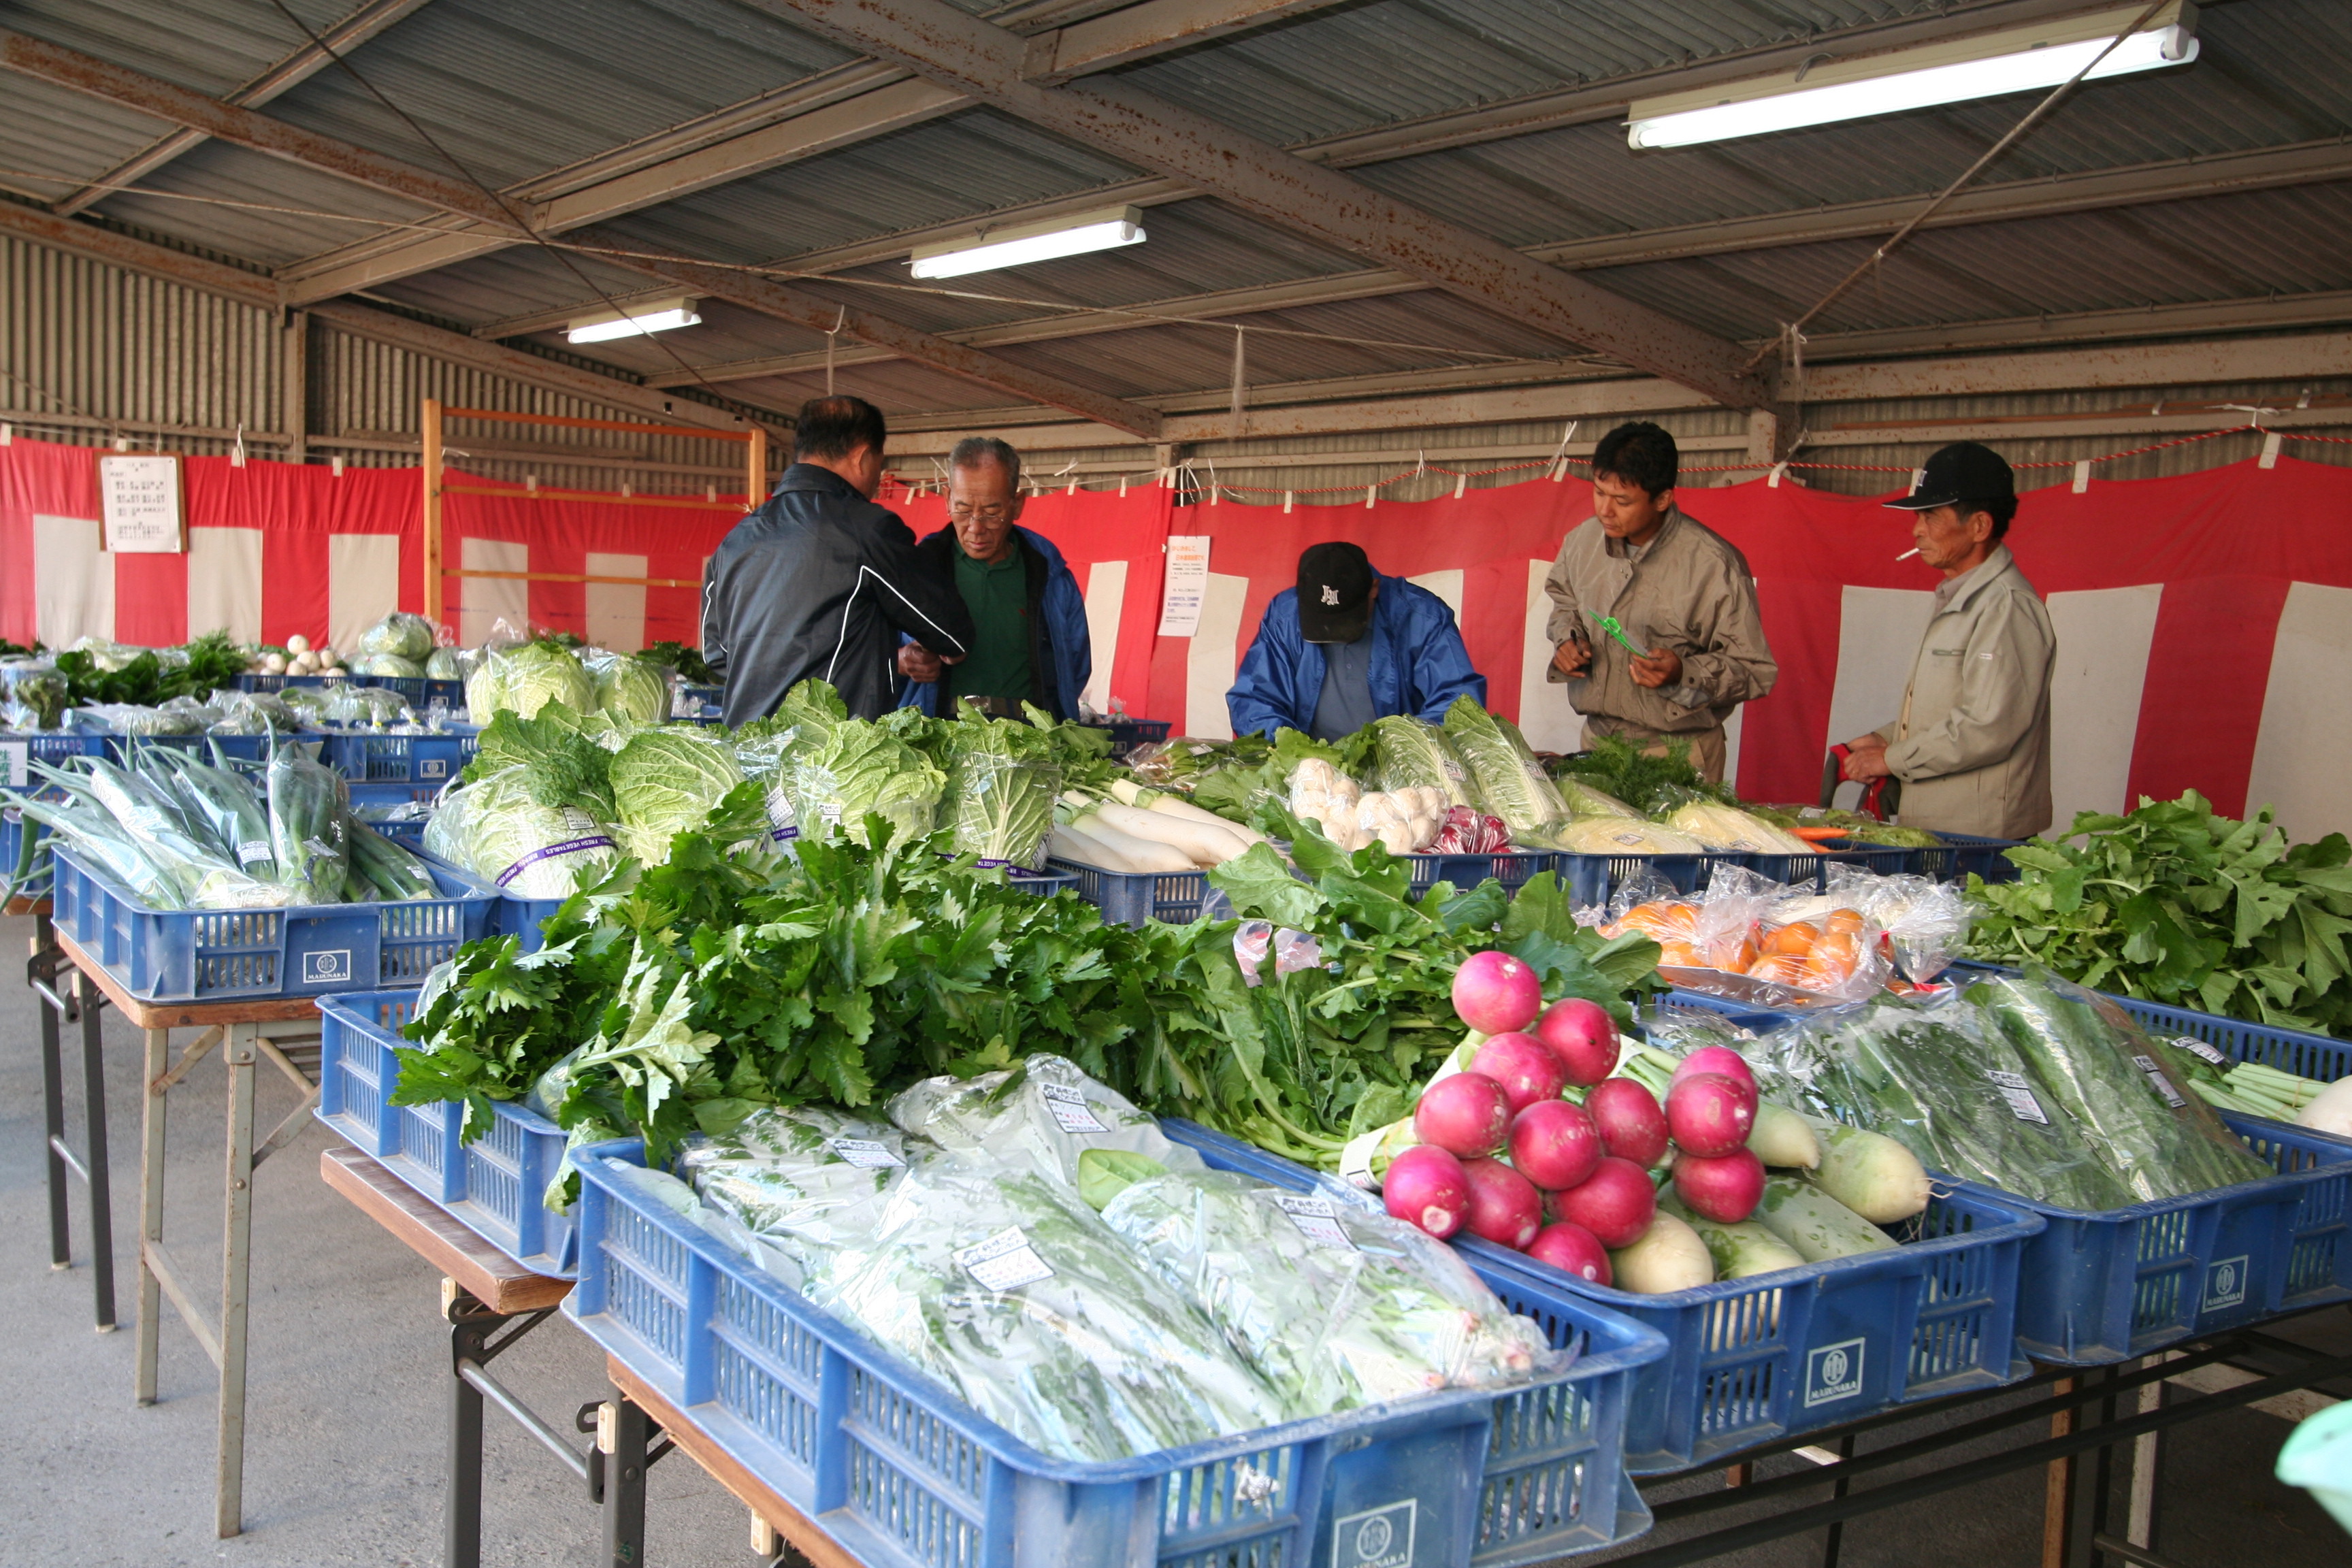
(1679, 592)
(1972, 744)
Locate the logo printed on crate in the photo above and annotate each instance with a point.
(433, 767)
(2225, 1283)
(327, 966)
(1377, 1538)
(1833, 1373)
(1318, 1220)
(1005, 1261)
(1069, 1108)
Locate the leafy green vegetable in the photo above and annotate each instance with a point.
(501, 831)
(1647, 783)
(1001, 785)
(1408, 753)
(667, 781)
(863, 771)
(687, 661)
(1510, 781)
(560, 765)
(526, 678)
(631, 688)
(151, 675)
(400, 635)
(2180, 906)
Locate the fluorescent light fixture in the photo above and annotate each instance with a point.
(1105, 228)
(651, 316)
(2016, 59)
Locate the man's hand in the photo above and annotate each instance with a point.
(1865, 760)
(917, 662)
(1572, 658)
(1659, 666)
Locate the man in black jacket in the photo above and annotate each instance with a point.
(818, 583)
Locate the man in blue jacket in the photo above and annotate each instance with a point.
(1349, 646)
(1029, 620)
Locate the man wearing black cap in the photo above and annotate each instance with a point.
(1349, 646)
(1972, 745)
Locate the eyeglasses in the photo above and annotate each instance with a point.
(982, 514)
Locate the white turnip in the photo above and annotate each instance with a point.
(1495, 993)
(1616, 1203)
(1555, 1145)
(1722, 1188)
(1666, 1257)
(1466, 1115)
(1425, 1186)
(1572, 1249)
(1504, 1206)
(1631, 1122)
(1710, 1114)
(1524, 1066)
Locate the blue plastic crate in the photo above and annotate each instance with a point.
(1590, 878)
(1811, 868)
(1127, 734)
(902, 1475)
(19, 749)
(1754, 1020)
(30, 896)
(1752, 1360)
(700, 703)
(384, 791)
(493, 1186)
(1961, 853)
(250, 682)
(373, 757)
(1130, 898)
(214, 955)
(1510, 866)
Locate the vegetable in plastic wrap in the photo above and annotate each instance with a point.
(1589, 800)
(388, 665)
(629, 688)
(401, 635)
(308, 813)
(1728, 828)
(2129, 1093)
(130, 718)
(1040, 1116)
(225, 804)
(1510, 781)
(1925, 921)
(863, 770)
(999, 806)
(802, 1181)
(142, 836)
(526, 678)
(1622, 835)
(449, 664)
(252, 713)
(1337, 1305)
(33, 695)
(383, 871)
(1408, 753)
(1012, 1293)
(664, 782)
(496, 830)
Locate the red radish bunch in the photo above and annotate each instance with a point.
(1495, 993)
(1583, 1036)
(1468, 1115)
(1524, 1066)
(1425, 1186)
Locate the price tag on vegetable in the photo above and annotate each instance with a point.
(16, 762)
(2163, 1083)
(2021, 1103)
(864, 1153)
(1070, 1110)
(2200, 1049)
(1005, 1261)
(1318, 1220)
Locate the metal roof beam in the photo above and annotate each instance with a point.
(850, 104)
(972, 56)
(149, 95)
(77, 237)
(304, 63)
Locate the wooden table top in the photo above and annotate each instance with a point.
(489, 1275)
(186, 1015)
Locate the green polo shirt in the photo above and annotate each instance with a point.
(998, 597)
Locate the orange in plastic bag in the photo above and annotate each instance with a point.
(1779, 969)
(1794, 939)
(1662, 922)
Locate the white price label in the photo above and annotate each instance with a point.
(2021, 1103)
(2200, 1049)
(1005, 1261)
(16, 761)
(864, 1153)
(253, 849)
(2163, 1083)
(1318, 1220)
(1069, 1108)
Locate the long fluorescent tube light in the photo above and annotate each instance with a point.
(2018, 59)
(1021, 243)
(653, 316)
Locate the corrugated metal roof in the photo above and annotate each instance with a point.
(212, 46)
(274, 223)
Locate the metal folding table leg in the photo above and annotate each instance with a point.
(622, 1430)
(81, 1000)
(155, 1107)
(41, 973)
(237, 1270)
(97, 1175)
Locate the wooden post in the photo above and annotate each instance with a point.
(755, 470)
(433, 509)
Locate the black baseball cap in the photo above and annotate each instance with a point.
(1335, 592)
(1964, 470)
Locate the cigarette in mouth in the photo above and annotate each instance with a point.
(1909, 553)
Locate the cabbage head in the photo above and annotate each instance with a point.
(387, 664)
(665, 782)
(400, 634)
(1511, 782)
(525, 679)
(494, 829)
(632, 689)
(444, 664)
(862, 769)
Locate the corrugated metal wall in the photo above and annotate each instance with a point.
(88, 350)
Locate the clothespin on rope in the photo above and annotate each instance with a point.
(1772, 479)
(833, 336)
(1122, 487)
(1461, 483)
(2271, 439)
(7, 435)
(1559, 464)
(1287, 496)
(236, 454)
(1371, 494)
(1792, 344)
(2254, 413)
(2083, 476)
(335, 467)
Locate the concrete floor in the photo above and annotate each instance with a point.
(348, 1390)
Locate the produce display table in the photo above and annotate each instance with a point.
(2087, 1418)
(63, 1161)
(248, 1034)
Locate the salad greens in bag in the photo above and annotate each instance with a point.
(1001, 789)
(1408, 753)
(1040, 1116)
(1509, 779)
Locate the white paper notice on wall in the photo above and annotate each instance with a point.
(141, 492)
(1184, 584)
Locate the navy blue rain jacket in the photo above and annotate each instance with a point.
(1419, 664)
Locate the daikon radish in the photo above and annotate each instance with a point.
(1069, 844)
(1143, 854)
(1816, 1224)
(1170, 805)
(1207, 844)
(1784, 1138)
(1870, 1173)
(1668, 1258)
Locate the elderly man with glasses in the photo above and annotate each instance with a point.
(1029, 620)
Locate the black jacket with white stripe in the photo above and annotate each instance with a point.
(817, 584)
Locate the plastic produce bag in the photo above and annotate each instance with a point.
(391, 665)
(252, 713)
(1040, 1117)
(309, 827)
(130, 719)
(33, 695)
(664, 782)
(1589, 800)
(1610, 833)
(1009, 1290)
(1408, 753)
(1925, 921)
(801, 1181)
(1000, 808)
(400, 635)
(627, 687)
(2128, 1092)
(1728, 828)
(1336, 1305)
(859, 771)
(1465, 831)
(383, 871)
(494, 828)
(1511, 782)
(526, 678)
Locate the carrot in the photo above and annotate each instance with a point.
(1817, 834)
